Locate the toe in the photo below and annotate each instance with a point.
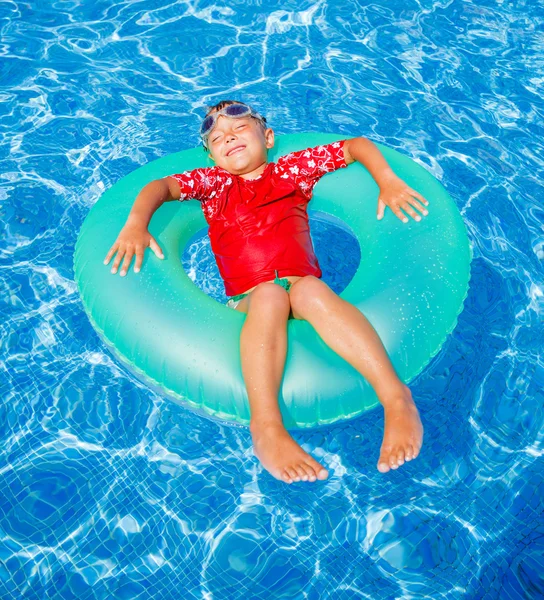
(322, 473)
(400, 456)
(383, 465)
(310, 470)
(292, 473)
(409, 452)
(393, 460)
(319, 470)
(385, 459)
(286, 477)
(301, 472)
(386, 455)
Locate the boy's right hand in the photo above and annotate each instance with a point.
(133, 239)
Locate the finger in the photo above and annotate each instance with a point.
(417, 205)
(407, 208)
(155, 247)
(139, 258)
(118, 258)
(381, 209)
(399, 213)
(112, 251)
(418, 195)
(127, 261)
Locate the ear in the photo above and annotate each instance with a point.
(269, 138)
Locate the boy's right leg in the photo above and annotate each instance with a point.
(263, 348)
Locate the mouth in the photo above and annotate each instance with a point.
(236, 149)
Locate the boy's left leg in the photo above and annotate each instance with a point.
(348, 332)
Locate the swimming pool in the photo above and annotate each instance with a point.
(110, 491)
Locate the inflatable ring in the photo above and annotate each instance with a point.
(411, 285)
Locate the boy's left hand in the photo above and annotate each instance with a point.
(397, 194)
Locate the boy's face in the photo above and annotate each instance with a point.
(228, 134)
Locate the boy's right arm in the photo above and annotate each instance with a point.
(134, 237)
(151, 198)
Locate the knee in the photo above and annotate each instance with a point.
(270, 295)
(304, 291)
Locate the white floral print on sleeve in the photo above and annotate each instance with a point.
(205, 184)
(196, 184)
(306, 167)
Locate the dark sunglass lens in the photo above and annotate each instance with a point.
(206, 124)
(235, 110)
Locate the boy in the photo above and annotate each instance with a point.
(258, 229)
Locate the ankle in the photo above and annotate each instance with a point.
(260, 423)
(394, 395)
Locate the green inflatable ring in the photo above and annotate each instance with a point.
(411, 285)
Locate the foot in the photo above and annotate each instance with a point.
(281, 456)
(403, 432)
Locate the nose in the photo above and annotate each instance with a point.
(230, 138)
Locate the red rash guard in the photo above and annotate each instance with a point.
(258, 226)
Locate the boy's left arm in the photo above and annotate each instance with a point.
(394, 192)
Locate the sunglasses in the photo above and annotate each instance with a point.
(233, 111)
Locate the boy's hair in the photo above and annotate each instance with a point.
(222, 104)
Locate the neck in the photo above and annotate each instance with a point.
(254, 174)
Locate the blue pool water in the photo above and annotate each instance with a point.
(110, 491)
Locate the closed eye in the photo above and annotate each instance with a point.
(236, 128)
